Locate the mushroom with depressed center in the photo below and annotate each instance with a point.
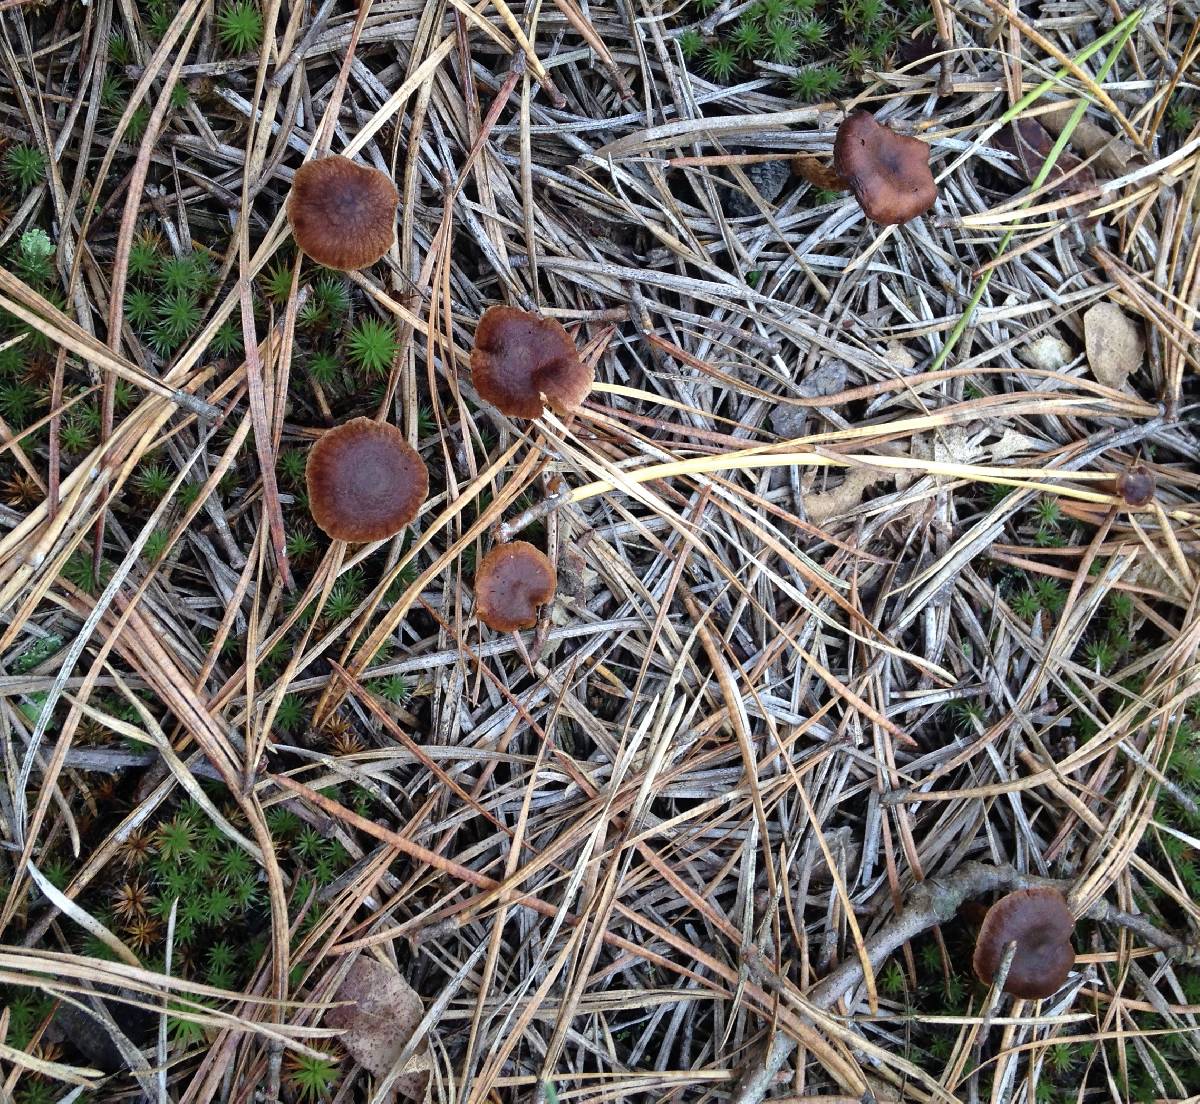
(511, 583)
(365, 481)
(522, 362)
(888, 173)
(343, 215)
(1040, 923)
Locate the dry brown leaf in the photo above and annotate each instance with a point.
(379, 1021)
(1113, 154)
(830, 505)
(1114, 344)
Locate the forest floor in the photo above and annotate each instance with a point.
(878, 556)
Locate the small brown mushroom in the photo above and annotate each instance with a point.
(522, 361)
(1040, 923)
(887, 172)
(513, 580)
(343, 215)
(1137, 486)
(365, 481)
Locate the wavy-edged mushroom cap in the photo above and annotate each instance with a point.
(522, 361)
(342, 215)
(513, 580)
(365, 481)
(887, 172)
(1040, 923)
(1137, 486)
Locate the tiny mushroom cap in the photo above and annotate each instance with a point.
(365, 481)
(887, 172)
(342, 215)
(522, 361)
(513, 580)
(1040, 923)
(1136, 486)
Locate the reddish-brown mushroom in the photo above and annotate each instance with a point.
(513, 580)
(1040, 923)
(365, 481)
(887, 172)
(1137, 486)
(522, 362)
(342, 215)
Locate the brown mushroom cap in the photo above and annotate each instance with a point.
(1137, 486)
(365, 481)
(342, 215)
(513, 580)
(1041, 924)
(520, 357)
(887, 172)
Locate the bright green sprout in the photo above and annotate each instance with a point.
(176, 839)
(691, 43)
(331, 292)
(747, 37)
(300, 545)
(312, 1078)
(291, 465)
(289, 717)
(25, 165)
(857, 58)
(139, 119)
(153, 480)
(240, 26)
(218, 905)
(156, 545)
(1026, 605)
(1047, 513)
(180, 96)
(721, 62)
(140, 308)
(278, 281)
(160, 19)
(372, 346)
(324, 368)
(235, 864)
(808, 84)
(118, 49)
(178, 314)
(17, 401)
(783, 43)
(310, 315)
(1050, 594)
(1100, 655)
(968, 719)
(813, 32)
(143, 257)
(183, 273)
(309, 843)
(227, 339)
(112, 93)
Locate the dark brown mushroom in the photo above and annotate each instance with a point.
(522, 362)
(511, 583)
(342, 215)
(887, 172)
(365, 481)
(1137, 486)
(1040, 923)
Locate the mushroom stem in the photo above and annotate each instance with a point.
(818, 173)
